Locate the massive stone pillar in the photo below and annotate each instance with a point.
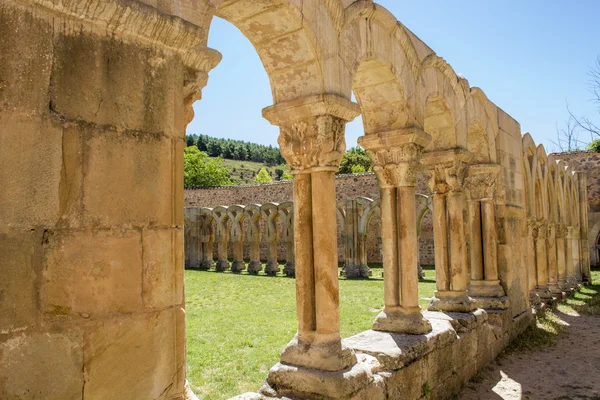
(484, 288)
(448, 169)
(312, 142)
(395, 156)
(93, 112)
(193, 238)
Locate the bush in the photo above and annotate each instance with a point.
(595, 146)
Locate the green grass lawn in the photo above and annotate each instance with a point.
(243, 172)
(237, 325)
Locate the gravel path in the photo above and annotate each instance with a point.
(568, 370)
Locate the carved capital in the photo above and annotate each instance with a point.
(197, 62)
(314, 144)
(542, 230)
(482, 181)
(395, 155)
(560, 230)
(447, 170)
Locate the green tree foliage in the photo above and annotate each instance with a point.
(355, 160)
(201, 170)
(236, 149)
(287, 176)
(595, 146)
(263, 176)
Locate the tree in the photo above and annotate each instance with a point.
(201, 170)
(355, 157)
(287, 176)
(263, 176)
(568, 136)
(278, 174)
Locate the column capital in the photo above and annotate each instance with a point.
(312, 131)
(447, 169)
(560, 230)
(542, 229)
(395, 155)
(482, 181)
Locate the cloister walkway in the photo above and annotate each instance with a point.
(569, 370)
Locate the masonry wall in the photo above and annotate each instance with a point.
(347, 187)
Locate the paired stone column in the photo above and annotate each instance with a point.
(270, 213)
(395, 156)
(532, 233)
(584, 227)
(571, 279)
(353, 265)
(541, 257)
(552, 250)
(485, 288)
(447, 171)
(222, 237)
(254, 213)
(237, 215)
(287, 212)
(561, 264)
(312, 142)
(192, 239)
(207, 238)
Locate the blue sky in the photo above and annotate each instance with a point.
(530, 57)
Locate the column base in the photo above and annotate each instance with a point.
(543, 292)
(288, 381)
(483, 288)
(412, 323)
(322, 353)
(238, 266)
(222, 265)
(554, 288)
(206, 265)
(491, 303)
(272, 268)
(254, 267)
(421, 272)
(289, 269)
(454, 301)
(356, 271)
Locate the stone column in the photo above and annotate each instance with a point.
(254, 215)
(312, 142)
(532, 233)
(286, 210)
(270, 212)
(447, 170)
(561, 264)
(576, 243)
(571, 279)
(584, 227)
(541, 257)
(222, 237)
(552, 249)
(207, 239)
(237, 215)
(395, 156)
(484, 288)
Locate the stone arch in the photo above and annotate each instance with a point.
(529, 150)
(540, 189)
(286, 41)
(380, 62)
(560, 190)
(482, 128)
(441, 102)
(553, 194)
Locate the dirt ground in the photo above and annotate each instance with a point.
(568, 370)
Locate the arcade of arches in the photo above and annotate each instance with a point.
(95, 96)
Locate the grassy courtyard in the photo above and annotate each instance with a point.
(237, 325)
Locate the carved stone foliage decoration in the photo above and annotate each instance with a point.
(447, 176)
(314, 143)
(397, 166)
(482, 181)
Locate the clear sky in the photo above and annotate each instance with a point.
(529, 56)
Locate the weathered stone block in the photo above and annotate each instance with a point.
(30, 171)
(406, 382)
(44, 366)
(19, 266)
(25, 61)
(147, 344)
(127, 180)
(90, 273)
(163, 268)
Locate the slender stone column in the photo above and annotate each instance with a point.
(552, 259)
(541, 256)
(207, 239)
(484, 288)
(286, 211)
(312, 142)
(571, 280)
(222, 237)
(531, 239)
(395, 156)
(561, 264)
(237, 215)
(254, 213)
(447, 171)
(575, 237)
(270, 212)
(584, 227)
